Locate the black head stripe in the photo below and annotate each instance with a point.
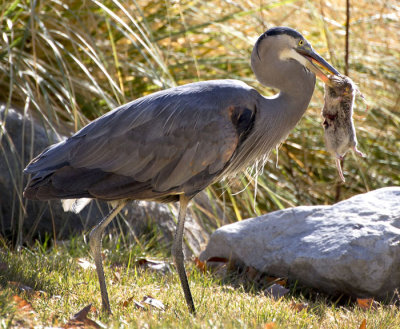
(283, 30)
(279, 30)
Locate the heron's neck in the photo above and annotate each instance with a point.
(283, 111)
(289, 107)
(276, 117)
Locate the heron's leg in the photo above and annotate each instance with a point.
(95, 245)
(177, 252)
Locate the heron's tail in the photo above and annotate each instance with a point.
(75, 205)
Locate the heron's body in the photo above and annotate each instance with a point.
(174, 141)
(170, 145)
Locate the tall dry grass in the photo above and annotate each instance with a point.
(67, 62)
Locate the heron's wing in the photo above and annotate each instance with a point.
(176, 140)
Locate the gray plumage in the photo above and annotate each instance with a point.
(170, 145)
(340, 133)
(177, 140)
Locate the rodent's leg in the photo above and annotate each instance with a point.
(339, 168)
(358, 152)
(340, 157)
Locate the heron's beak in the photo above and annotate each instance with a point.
(315, 62)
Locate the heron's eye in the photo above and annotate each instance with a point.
(301, 42)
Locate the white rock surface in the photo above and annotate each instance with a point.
(352, 247)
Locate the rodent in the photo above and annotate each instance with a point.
(340, 133)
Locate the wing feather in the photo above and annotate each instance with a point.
(165, 139)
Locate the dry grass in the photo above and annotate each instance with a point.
(67, 63)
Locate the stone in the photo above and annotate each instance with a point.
(352, 247)
(21, 219)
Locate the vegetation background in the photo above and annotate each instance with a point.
(67, 62)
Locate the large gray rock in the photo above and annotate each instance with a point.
(22, 139)
(352, 247)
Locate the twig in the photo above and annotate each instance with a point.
(346, 58)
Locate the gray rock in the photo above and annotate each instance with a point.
(352, 247)
(21, 219)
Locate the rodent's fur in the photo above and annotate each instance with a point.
(340, 134)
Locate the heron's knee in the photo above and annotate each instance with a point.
(94, 241)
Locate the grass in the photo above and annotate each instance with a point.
(223, 301)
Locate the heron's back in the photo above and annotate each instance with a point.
(154, 148)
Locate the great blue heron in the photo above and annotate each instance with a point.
(170, 145)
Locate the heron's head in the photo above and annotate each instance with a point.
(281, 52)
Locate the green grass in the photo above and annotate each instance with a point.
(223, 301)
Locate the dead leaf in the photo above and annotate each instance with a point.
(270, 325)
(367, 303)
(154, 265)
(218, 265)
(28, 290)
(39, 294)
(271, 279)
(25, 315)
(276, 291)
(252, 274)
(199, 264)
(280, 281)
(82, 314)
(162, 267)
(222, 270)
(228, 288)
(22, 304)
(298, 306)
(153, 302)
(128, 301)
(117, 276)
(139, 305)
(363, 324)
(85, 264)
(218, 260)
(80, 320)
(21, 286)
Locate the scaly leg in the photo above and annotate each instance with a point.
(95, 245)
(177, 253)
